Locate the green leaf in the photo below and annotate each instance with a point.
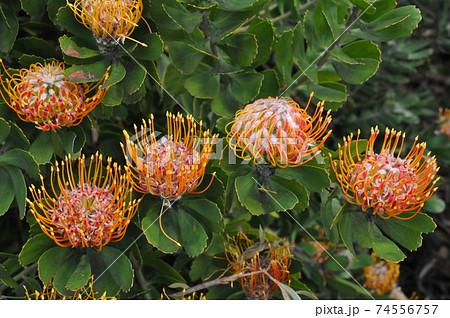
(136, 74)
(80, 276)
(87, 72)
(9, 27)
(153, 50)
(407, 233)
(240, 48)
(70, 48)
(66, 19)
(270, 85)
(353, 225)
(203, 84)
(21, 159)
(225, 104)
(192, 235)
(42, 148)
(181, 16)
(34, 248)
(114, 95)
(153, 233)
(382, 7)
(51, 261)
(118, 266)
(262, 200)
(170, 274)
(20, 189)
(329, 92)
(283, 54)
(365, 5)
(392, 25)
(238, 5)
(6, 191)
(314, 178)
(264, 32)
(245, 86)
(34, 8)
(116, 74)
(434, 205)
(65, 270)
(185, 58)
(206, 212)
(4, 129)
(225, 22)
(7, 279)
(298, 189)
(357, 61)
(52, 8)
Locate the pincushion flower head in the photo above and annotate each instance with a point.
(383, 182)
(86, 207)
(41, 94)
(111, 21)
(174, 164)
(262, 265)
(278, 132)
(381, 277)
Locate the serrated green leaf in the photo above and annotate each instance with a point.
(116, 74)
(203, 84)
(9, 27)
(87, 72)
(153, 233)
(314, 178)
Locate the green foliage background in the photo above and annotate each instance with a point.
(387, 67)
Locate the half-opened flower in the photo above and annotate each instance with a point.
(381, 277)
(444, 120)
(262, 267)
(111, 21)
(42, 95)
(89, 206)
(383, 182)
(278, 132)
(172, 165)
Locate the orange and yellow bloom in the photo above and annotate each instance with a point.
(278, 132)
(383, 182)
(111, 21)
(42, 95)
(381, 277)
(174, 164)
(261, 269)
(49, 293)
(444, 120)
(88, 207)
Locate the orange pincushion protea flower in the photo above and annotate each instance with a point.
(278, 131)
(444, 119)
(259, 267)
(89, 210)
(383, 181)
(173, 165)
(382, 276)
(111, 21)
(42, 95)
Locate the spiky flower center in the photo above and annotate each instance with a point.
(45, 94)
(386, 181)
(85, 214)
(170, 164)
(272, 124)
(109, 16)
